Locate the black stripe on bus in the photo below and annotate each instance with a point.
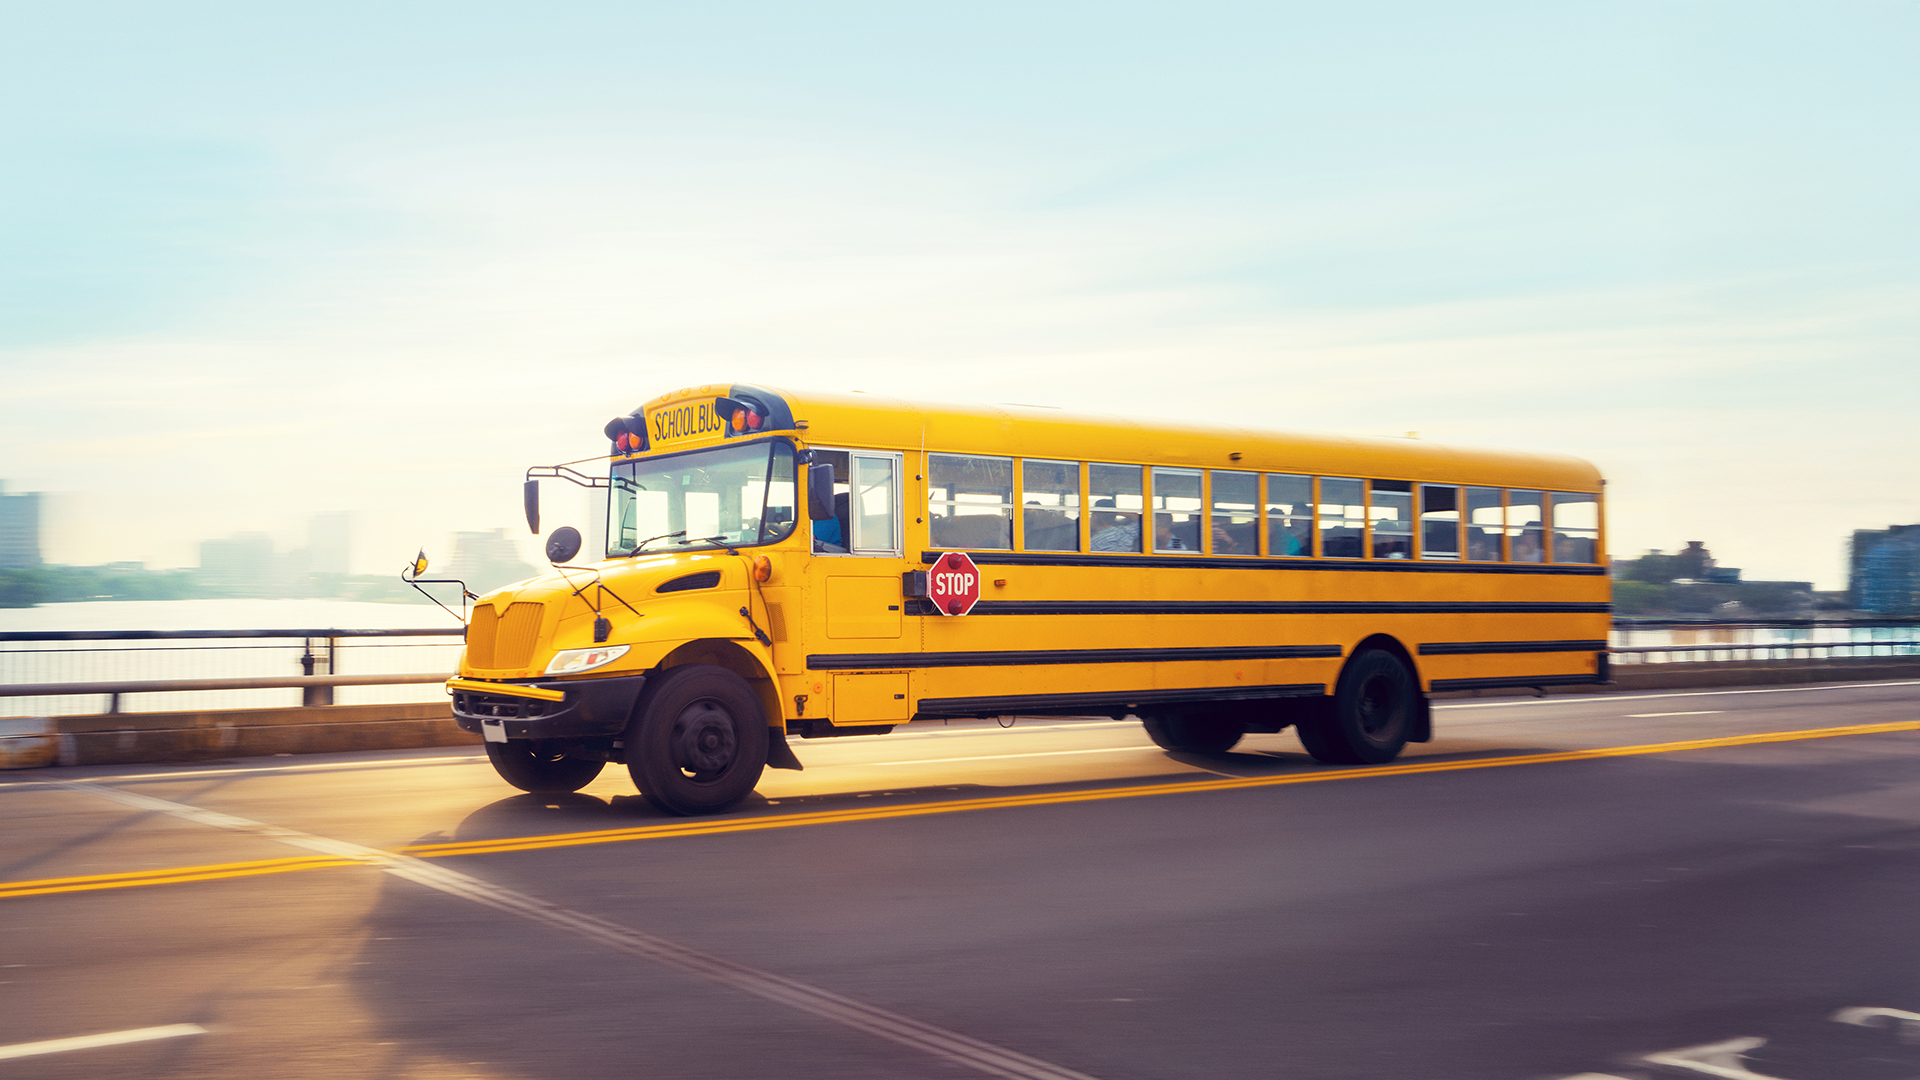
(1285, 607)
(1014, 703)
(1456, 648)
(1017, 658)
(1219, 562)
(1512, 681)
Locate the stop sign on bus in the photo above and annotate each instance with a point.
(953, 584)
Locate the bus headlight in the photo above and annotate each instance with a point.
(573, 661)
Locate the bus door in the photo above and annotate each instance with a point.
(860, 586)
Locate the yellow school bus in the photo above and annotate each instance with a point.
(783, 565)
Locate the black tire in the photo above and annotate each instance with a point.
(1372, 714)
(698, 741)
(531, 765)
(1193, 734)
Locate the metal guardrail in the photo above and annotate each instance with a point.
(318, 654)
(1777, 650)
(113, 690)
(222, 668)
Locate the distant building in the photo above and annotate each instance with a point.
(240, 565)
(486, 560)
(328, 537)
(19, 530)
(1883, 570)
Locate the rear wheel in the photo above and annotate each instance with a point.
(698, 742)
(1372, 713)
(1194, 734)
(531, 765)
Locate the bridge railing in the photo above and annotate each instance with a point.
(49, 673)
(64, 673)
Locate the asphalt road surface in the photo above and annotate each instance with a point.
(1642, 886)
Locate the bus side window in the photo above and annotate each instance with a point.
(1486, 524)
(1050, 505)
(1342, 517)
(1390, 516)
(1115, 506)
(970, 501)
(1576, 526)
(1236, 513)
(1439, 521)
(1525, 527)
(1176, 509)
(1289, 514)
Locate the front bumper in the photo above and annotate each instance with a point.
(591, 708)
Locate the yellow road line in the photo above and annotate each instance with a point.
(707, 827)
(173, 875)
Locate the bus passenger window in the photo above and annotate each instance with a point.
(1050, 505)
(1342, 517)
(1439, 521)
(870, 505)
(1289, 514)
(1176, 509)
(1115, 504)
(970, 501)
(1524, 527)
(1576, 527)
(1390, 515)
(1236, 513)
(1486, 524)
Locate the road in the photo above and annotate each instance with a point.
(1551, 889)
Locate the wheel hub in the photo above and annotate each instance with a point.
(704, 741)
(1378, 706)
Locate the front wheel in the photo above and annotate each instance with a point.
(530, 766)
(1193, 734)
(1373, 711)
(698, 741)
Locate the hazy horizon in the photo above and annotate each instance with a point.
(257, 264)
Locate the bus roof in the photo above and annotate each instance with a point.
(858, 419)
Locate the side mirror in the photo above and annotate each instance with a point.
(820, 491)
(530, 494)
(563, 545)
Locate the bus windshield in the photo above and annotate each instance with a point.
(728, 496)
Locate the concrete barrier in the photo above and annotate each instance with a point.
(130, 738)
(1629, 678)
(133, 738)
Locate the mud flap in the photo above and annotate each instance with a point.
(779, 754)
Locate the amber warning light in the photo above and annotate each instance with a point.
(742, 416)
(629, 434)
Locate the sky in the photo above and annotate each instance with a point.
(263, 261)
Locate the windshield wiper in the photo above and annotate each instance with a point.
(720, 540)
(642, 545)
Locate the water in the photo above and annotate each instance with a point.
(102, 661)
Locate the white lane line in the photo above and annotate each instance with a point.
(397, 763)
(88, 1042)
(1696, 712)
(1603, 699)
(977, 1054)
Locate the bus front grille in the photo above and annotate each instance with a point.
(505, 642)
